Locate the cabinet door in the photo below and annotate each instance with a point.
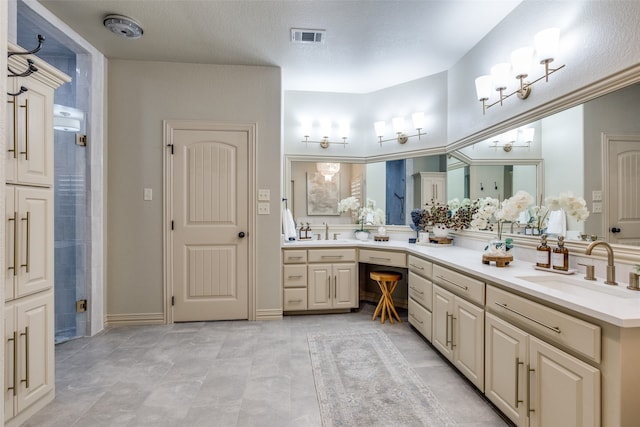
(32, 163)
(505, 368)
(35, 240)
(344, 286)
(10, 349)
(564, 390)
(442, 319)
(35, 341)
(468, 341)
(11, 261)
(319, 286)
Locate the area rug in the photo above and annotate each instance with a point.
(362, 380)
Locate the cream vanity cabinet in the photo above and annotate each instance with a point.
(331, 275)
(294, 280)
(430, 186)
(458, 321)
(420, 295)
(532, 381)
(29, 275)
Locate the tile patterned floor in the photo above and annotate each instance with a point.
(235, 373)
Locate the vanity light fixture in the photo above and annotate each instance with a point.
(67, 119)
(398, 128)
(328, 170)
(546, 49)
(326, 126)
(516, 138)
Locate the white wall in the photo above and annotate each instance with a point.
(141, 96)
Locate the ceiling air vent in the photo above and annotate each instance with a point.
(307, 36)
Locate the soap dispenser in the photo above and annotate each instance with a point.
(543, 253)
(560, 256)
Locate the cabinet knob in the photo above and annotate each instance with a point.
(241, 234)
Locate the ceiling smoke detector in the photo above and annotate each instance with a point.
(123, 26)
(299, 35)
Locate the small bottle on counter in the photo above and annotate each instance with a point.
(543, 253)
(560, 256)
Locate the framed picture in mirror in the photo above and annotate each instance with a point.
(323, 194)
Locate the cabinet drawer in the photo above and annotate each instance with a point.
(420, 266)
(295, 299)
(394, 259)
(294, 276)
(420, 290)
(420, 318)
(294, 256)
(557, 327)
(470, 289)
(332, 255)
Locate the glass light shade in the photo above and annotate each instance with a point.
(345, 128)
(380, 127)
(510, 136)
(305, 126)
(522, 61)
(67, 119)
(398, 124)
(325, 128)
(547, 43)
(66, 124)
(418, 120)
(501, 75)
(484, 87)
(328, 170)
(527, 134)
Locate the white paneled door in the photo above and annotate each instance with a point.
(210, 251)
(622, 192)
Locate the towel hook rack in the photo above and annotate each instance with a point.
(30, 52)
(31, 68)
(20, 92)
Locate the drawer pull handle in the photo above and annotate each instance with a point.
(553, 328)
(299, 276)
(518, 363)
(453, 283)
(332, 256)
(417, 290)
(380, 258)
(294, 257)
(416, 266)
(297, 301)
(415, 318)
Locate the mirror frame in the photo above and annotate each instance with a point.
(619, 80)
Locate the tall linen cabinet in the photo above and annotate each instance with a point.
(29, 372)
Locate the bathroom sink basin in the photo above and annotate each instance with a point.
(582, 287)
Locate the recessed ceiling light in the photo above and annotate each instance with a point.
(123, 26)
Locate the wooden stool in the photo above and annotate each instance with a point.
(387, 281)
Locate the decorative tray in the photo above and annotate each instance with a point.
(551, 270)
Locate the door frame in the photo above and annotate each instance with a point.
(169, 126)
(607, 139)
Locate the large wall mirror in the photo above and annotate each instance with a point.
(591, 149)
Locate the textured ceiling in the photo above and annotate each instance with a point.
(369, 44)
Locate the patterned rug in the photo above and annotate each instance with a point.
(362, 380)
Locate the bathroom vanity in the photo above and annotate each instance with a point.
(546, 349)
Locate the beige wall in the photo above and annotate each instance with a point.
(141, 96)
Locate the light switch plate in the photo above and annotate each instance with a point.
(264, 195)
(596, 195)
(148, 194)
(596, 207)
(263, 209)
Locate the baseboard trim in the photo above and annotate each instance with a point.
(269, 314)
(135, 319)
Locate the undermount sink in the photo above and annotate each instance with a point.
(583, 287)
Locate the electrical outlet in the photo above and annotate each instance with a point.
(264, 195)
(596, 195)
(263, 209)
(596, 207)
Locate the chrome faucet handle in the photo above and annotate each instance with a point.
(335, 236)
(590, 271)
(319, 235)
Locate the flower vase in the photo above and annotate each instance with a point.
(440, 230)
(362, 235)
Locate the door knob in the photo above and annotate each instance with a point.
(241, 234)
(615, 229)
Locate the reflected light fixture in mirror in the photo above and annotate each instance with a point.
(326, 126)
(546, 49)
(328, 170)
(515, 138)
(67, 119)
(398, 127)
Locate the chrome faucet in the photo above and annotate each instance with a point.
(326, 231)
(611, 268)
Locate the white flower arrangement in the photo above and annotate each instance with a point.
(368, 215)
(572, 205)
(509, 210)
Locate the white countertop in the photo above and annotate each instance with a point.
(616, 305)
